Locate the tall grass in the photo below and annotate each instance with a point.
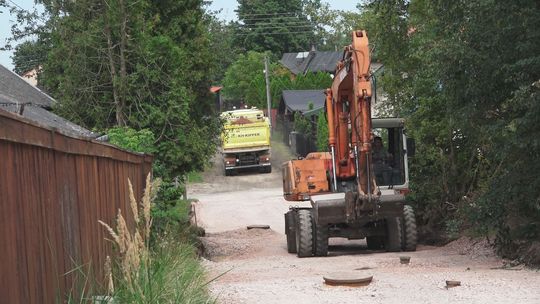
(172, 274)
(167, 273)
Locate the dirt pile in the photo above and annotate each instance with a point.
(238, 244)
(474, 248)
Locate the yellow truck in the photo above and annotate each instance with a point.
(245, 141)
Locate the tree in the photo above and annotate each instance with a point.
(322, 132)
(222, 45)
(241, 76)
(244, 80)
(145, 67)
(278, 26)
(29, 55)
(452, 69)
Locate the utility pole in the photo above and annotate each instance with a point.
(268, 98)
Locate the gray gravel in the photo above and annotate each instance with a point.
(256, 267)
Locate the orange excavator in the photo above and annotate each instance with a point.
(356, 189)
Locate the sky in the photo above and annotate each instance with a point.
(227, 8)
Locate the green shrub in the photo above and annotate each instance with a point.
(322, 132)
(133, 140)
(302, 124)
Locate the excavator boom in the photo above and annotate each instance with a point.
(348, 104)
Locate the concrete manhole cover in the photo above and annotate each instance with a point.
(348, 278)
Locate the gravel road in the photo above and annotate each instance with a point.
(253, 266)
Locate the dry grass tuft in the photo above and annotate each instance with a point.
(108, 275)
(133, 202)
(133, 247)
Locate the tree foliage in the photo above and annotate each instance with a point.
(142, 64)
(133, 140)
(223, 46)
(322, 132)
(466, 76)
(244, 80)
(278, 26)
(29, 55)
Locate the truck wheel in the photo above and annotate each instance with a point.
(392, 241)
(408, 229)
(290, 231)
(304, 234)
(320, 239)
(265, 169)
(375, 242)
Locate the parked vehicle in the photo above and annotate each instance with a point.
(246, 141)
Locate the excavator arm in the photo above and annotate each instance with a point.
(348, 104)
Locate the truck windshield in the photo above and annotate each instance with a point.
(388, 156)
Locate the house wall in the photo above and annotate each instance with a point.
(53, 190)
(31, 77)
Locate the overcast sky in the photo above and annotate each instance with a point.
(227, 8)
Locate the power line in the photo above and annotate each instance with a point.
(17, 5)
(271, 18)
(274, 33)
(284, 23)
(267, 14)
(27, 11)
(280, 27)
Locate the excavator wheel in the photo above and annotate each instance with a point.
(290, 231)
(320, 239)
(304, 234)
(375, 242)
(392, 241)
(408, 229)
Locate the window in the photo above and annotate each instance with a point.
(388, 157)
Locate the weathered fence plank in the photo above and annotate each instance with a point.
(53, 189)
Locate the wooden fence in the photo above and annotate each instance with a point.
(54, 188)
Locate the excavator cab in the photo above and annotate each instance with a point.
(390, 153)
(312, 176)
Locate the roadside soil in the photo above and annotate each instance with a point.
(253, 266)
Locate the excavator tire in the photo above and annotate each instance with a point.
(375, 242)
(392, 240)
(290, 231)
(408, 229)
(304, 234)
(320, 239)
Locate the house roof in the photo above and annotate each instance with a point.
(13, 87)
(298, 100)
(16, 96)
(314, 61)
(215, 89)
